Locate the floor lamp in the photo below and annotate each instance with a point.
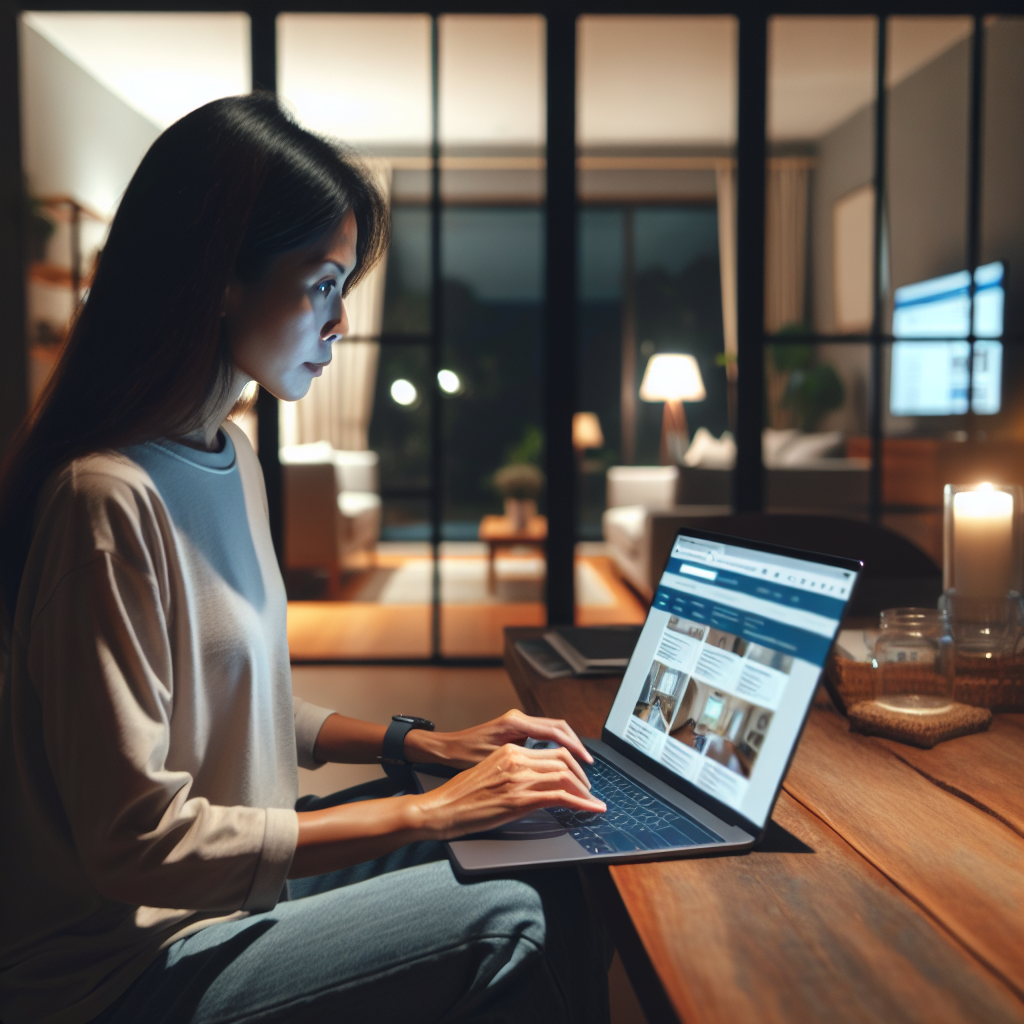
(673, 379)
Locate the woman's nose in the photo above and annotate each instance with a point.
(335, 330)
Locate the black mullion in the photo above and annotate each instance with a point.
(650, 7)
(974, 196)
(750, 213)
(13, 334)
(263, 54)
(627, 390)
(560, 313)
(875, 471)
(436, 325)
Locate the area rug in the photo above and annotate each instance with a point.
(464, 581)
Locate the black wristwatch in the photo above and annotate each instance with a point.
(393, 758)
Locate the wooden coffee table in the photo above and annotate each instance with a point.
(889, 888)
(499, 532)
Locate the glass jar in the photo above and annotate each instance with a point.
(914, 659)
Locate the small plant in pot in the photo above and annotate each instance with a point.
(520, 484)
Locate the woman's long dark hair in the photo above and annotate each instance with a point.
(223, 192)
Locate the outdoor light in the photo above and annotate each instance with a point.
(449, 382)
(673, 379)
(403, 392)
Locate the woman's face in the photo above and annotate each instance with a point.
(281, 329)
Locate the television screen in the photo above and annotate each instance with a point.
(930, 378)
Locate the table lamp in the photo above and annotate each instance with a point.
(586, 431)
(673, 379)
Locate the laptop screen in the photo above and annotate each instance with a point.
(726, 665)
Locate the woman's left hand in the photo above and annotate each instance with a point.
(470, 746)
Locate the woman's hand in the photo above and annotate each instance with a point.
(509, 783)
(503, 781)
(471, 746)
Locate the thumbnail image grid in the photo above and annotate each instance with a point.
(712, 708)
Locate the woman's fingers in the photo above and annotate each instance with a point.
(553, 729)
(511, 782)
(556, 760)
(540, 770)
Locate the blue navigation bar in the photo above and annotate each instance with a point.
(773, 633)
(768, 588)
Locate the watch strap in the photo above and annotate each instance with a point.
(392, 760)
(393, 753)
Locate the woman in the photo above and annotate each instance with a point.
(148, 735)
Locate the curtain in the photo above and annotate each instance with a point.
(785, 242)
(725, 180)
(339, 404)
(785, 277)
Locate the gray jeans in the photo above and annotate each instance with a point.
(399, 939)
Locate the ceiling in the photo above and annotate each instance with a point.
(643, 81)
(163, 65)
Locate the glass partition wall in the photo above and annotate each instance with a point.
(656, 136)
(438, 388)
(820, 263)
(580, 205)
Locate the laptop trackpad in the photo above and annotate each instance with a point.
(533, 826)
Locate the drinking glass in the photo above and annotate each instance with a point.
(914, 656)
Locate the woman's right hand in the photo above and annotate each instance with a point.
(508, 784)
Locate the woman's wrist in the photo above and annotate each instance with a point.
(423, 747)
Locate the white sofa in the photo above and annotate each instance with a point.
(332, 506)
(641, 505)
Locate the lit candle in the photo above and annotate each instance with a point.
(982, 542)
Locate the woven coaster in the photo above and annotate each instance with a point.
(919, 730)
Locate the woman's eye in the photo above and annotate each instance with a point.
(324, 288)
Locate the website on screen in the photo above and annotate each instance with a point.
(726, 666)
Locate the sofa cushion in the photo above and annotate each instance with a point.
(649, 486)
(353, 504)
(623, 527)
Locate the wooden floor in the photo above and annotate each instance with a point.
(339, 630)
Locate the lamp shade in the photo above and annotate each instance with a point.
(672, 378)
(586, 431)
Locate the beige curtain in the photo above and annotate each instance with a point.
(725, 182)
(339, 404)
(725, 179)
(785, 242)
(785, 278)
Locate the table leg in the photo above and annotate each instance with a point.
(492, 581)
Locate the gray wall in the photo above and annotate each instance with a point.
(78, 138)
(1002, 213)
(926, 215)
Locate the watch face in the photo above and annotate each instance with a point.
(420, 723)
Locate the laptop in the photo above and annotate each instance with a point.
(707, 717)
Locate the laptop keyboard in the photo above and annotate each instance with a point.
(635, 820)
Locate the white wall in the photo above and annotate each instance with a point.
(78, 138)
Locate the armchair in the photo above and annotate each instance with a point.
(332, 506)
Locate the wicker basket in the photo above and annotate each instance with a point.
(997, 684)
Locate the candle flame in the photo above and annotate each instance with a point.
(985, 487)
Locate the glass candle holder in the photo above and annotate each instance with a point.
(914, 661)
(983, 566)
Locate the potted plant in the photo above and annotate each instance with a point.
(520, 484)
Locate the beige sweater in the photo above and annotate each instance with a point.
(148, 736)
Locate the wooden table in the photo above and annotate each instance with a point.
(500, 532)
(890, 886)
